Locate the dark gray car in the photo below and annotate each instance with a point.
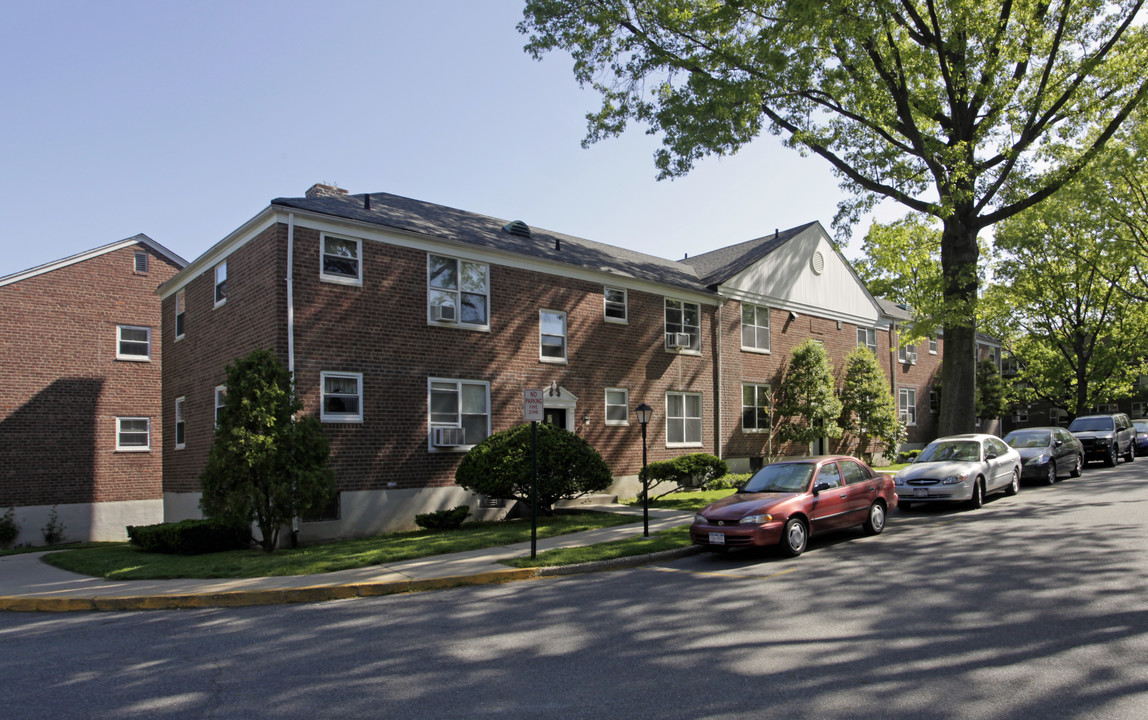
(1047, 452)
(1105, 437)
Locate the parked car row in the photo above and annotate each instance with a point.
(786, 503)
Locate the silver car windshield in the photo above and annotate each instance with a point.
(951, 451)
(783, 477)
(1091, 424)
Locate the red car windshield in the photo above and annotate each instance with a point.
(781, 477)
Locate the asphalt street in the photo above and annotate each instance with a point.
(1034, 606)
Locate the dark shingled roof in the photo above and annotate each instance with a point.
(438, 221)
(893, 310)
(719, 265)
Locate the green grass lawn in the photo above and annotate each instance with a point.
(662, 540)
(124, 562)
(688, 501)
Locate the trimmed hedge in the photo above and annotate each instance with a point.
(189, 537)
(729, 481)
(443, 519)
(693, 470)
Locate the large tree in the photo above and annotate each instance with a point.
(945, 107)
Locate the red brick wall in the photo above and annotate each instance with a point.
(61, 386)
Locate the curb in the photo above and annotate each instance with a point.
(619, 563)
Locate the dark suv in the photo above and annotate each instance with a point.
(1106, 437)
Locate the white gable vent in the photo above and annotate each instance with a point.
(818, 263)
(518, 228)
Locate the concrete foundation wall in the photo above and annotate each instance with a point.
(88, 522)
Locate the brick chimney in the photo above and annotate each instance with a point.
(323, 190)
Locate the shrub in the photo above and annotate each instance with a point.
(443, 519)
(53, 530)
(729, 481)
(9, 528)
(692, 470)
(499, 466)
(189, 537)
(908, 456)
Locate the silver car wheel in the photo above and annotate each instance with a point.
(1076, 469)
(1051, 479)
(794, 537)
(876, 522)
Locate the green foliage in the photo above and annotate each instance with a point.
(729, 481)
(443, 519)
(9, 528)
(992, 394)
(189, 537)
(692, 470)
(265, 465)
(53, 530)
(868, 410)
(807, 402)
(908, 456)
(500, 466)
(948, 109)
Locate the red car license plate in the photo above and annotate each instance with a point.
(717, 538)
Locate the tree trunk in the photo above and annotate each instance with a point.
(959, 257)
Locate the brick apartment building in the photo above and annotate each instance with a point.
(80, 391)
(413, 330)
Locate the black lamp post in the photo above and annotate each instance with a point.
(644, 412)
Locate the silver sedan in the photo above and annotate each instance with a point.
(960, 468)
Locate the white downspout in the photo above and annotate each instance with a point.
(295, 521)
(720, 381)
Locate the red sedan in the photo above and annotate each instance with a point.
(786, 503)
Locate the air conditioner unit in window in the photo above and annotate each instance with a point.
(443, 313)
(448, 437)
(913, 358)
(679, 340)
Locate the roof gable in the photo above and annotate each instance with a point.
(140, 239)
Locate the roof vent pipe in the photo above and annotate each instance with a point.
(775, 233)
(367, 201)
(557, 244)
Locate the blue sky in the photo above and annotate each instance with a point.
(182, 120)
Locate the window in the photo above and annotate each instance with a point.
(683, 325)
(683, 418)
(1055, 416)
(867, 337)
(180, 428)
(755, 408)
(907, 354)
(552, 336)
(932, 344)
(617, 406)
(1143, 382)
(754, 328)
(907, 405)
(852, 472)
(1107, 408)
(133, 343)
(934, 400)
(1139, 409)
(457, 291)
(463, 404)
(220, 397)
(140, 266)
(615, 301)
(830, 475)
(133, 434)
(1021, 415)
(341, 261)
(180, 306)
(220, 283)
(342, 397)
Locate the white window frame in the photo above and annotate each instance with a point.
(120, 355)
(694, 331)
(180, 315)
(335, 277)
(607, 303)
(120, 447)
(933, 347)
(905, 354)
(867, 338)
(140, 254)
(1056, 416)
(220, 396)
(340, 417)
(1021, 415)
(220, 287)
(458, 292)
(907, 406)
(758, 328)
(1139, 409)
(542, 357)
(685, 420)
(625, 405)
(758, 390)
(180, 423)
(458, 421)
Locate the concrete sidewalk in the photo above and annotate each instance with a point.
(28, 584)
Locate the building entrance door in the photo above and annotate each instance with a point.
(554, 416)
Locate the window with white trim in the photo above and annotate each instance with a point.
(755, 407)
(220, 283)
(907, 405)
(341, 260)
(615, 302)
(617, 406)
(133, 342)
(133, 434)
(462, 404)
(1021, 415)
(180, 425)
(180, 309)
(1106, 408)
(1139, 409)
(1056, 416)
(907, 354)
(683, 325)
(867, 337)
(220, 399)
(932, 344)
(552, 336)
(342, 400)
(754, 328)
(140, 263)
(683, 419)
(458, 292)
(934, 400)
